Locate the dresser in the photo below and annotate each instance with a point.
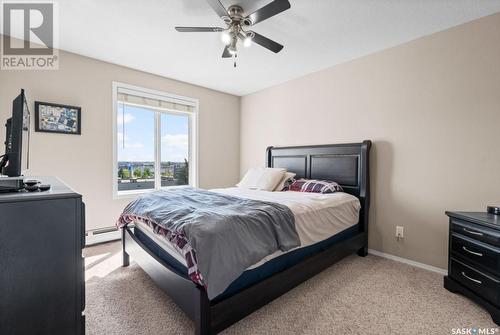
(42, 286)
(474, 259)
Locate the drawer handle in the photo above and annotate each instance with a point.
(471, 279)
(473, 232)
(472, 252)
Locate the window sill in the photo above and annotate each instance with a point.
(135, 193)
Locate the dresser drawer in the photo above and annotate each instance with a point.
(484, 285)
(475, 231)
(478, 253)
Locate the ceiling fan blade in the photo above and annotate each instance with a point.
(226, 53)
(267, 43)
(269, 10)
(217, 7)
(198, 29)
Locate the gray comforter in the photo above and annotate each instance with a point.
(228, 233)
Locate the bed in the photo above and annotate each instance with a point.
(321, 244)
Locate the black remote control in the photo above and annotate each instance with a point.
(493, 210)
(44, 187)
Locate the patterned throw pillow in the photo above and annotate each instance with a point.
(315, 186)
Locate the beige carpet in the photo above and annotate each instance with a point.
(368, 295)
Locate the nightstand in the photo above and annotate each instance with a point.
(474, 259)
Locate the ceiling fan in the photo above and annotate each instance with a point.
(237, 26)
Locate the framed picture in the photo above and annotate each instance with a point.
(55, 118)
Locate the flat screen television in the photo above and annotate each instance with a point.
(15, 162)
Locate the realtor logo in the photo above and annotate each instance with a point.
(29, 36)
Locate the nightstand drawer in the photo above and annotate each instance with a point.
(475, 231)
(486, 286)
(478, 253)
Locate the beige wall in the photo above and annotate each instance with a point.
(432, 108)
(85, 162)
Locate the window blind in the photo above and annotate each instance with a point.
(153, 101)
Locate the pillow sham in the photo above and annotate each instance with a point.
(264, 179)
(285, 181)
(315, 186)
(250, 178)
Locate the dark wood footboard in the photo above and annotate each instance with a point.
(212, 318)
(236, 307)
(183, 291)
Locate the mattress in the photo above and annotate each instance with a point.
(317, 217)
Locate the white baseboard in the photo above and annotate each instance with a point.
(92, 238)
(409, 262)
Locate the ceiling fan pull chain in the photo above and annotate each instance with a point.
(235, 56)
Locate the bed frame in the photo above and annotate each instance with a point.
(348, 164)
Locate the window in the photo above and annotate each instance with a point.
(154, 140)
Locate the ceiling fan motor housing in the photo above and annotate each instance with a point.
(236, 16)
(235, 12)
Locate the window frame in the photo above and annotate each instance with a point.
(192, 135)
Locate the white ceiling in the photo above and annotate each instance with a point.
(316, 34)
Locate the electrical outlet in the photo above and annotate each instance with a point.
(399, 232)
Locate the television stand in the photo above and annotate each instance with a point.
(42, 283)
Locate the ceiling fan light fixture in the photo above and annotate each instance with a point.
(247, 42)
(232, 47)
(225, 37)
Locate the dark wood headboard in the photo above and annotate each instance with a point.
(346, 164)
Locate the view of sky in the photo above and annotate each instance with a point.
(135, 135)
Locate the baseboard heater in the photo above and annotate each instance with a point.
(101, 235)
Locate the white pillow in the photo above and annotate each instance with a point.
(265, 179)
(250, 178)
(281, 185)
